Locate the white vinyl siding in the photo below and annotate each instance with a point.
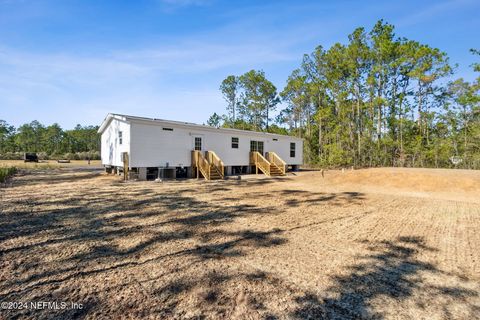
(115, 140)
(149, 145)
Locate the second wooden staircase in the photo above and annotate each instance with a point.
(272, 165)
(210, 166)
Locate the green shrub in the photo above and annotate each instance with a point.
(11, 156)
(92, 155)
(6, 172)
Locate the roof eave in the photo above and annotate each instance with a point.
(105, 123)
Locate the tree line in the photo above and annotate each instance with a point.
(82, 142)
(378, 100)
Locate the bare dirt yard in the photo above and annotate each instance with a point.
(374, 243)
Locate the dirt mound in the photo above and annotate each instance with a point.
(447, 184)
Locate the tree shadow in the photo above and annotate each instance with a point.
(57, 175)
(296, 198)
(87, 219)
(391, 270)
(196, 254)
(211, 292)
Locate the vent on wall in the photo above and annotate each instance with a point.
(167, 129)
(275, 139)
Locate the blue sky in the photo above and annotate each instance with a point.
(74, 61)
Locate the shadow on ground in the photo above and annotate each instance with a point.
(390, 271)
(177, 256)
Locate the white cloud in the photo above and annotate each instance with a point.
(172, 6)
(188, 57)
(433, 11)
(186, 2)
(181, 73)
(131, 81)
(201, 57)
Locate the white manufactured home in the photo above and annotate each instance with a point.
(146, 148)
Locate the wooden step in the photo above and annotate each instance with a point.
(214, 174)
(275, 171)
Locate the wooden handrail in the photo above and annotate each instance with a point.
(205, 164)
(259, 161)
(204, 167)
(215, 160)
(277, 161)
(201, 163)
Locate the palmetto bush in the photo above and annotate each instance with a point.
(6, 172)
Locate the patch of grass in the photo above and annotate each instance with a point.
(6, 172)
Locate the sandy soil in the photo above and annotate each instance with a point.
(376, 243)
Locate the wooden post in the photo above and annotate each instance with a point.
(125, 166)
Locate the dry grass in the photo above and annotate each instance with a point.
(48, 164)
(352, 245)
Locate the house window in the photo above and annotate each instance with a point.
(120, 137)
(167, 129)
(234, 143)
(275, 139)
(292, 149)
(198, 143)
(256, 146)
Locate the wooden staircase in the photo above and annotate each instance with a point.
(210, 166)
(273, 165)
